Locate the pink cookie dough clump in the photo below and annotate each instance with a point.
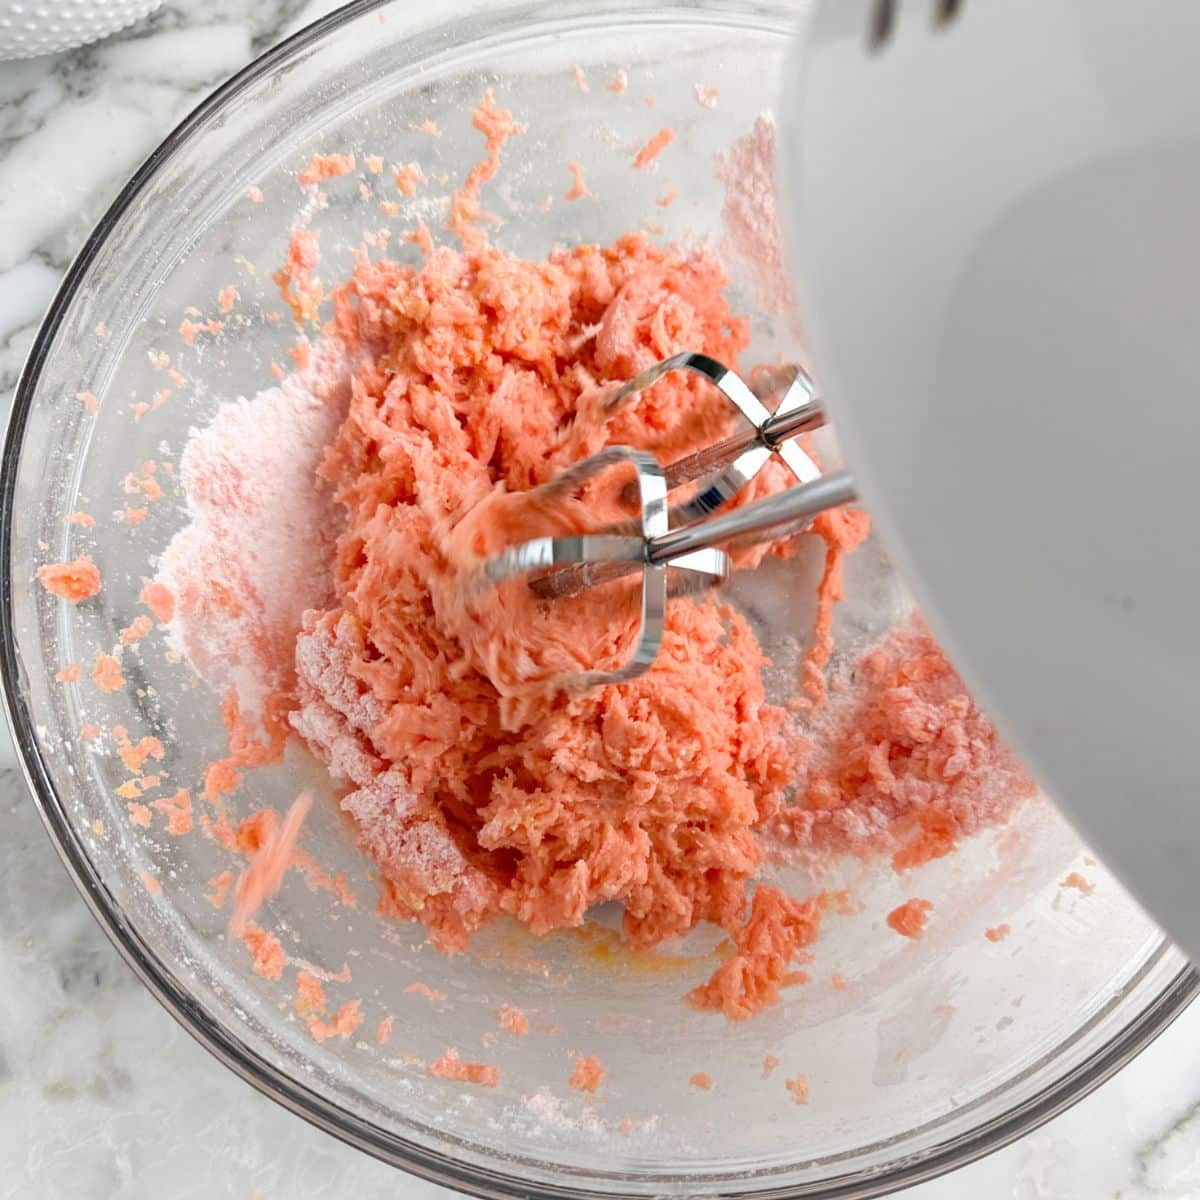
(479, 787)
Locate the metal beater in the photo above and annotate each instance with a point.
(684, 536)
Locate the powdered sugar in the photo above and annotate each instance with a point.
(326, 732)
(553, 1114)
(256, 550)
(325, 654)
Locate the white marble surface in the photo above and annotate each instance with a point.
(101, 1094)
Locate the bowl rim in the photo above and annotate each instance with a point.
(437, 1167)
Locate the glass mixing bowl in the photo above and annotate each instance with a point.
(934, 1051)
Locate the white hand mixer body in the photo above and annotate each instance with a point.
(992, 215)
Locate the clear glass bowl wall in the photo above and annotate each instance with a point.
(935, 1051)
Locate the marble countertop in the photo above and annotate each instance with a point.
(101, 1093)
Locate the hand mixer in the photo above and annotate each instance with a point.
(992, 211)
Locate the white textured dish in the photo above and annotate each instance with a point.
(31, 27)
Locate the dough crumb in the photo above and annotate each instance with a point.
(513, 1020)
(178, 811)
(158, 598)
(654, 147)
(310, 996)
(587, 1074)
(266, 953)
(910, 917)
(423, 989)
(107, 674)
(620, 81)
(325, 166)
(450, 1066)
(578, 189)
(345, 1021)
(75, 581)
(1079, 883)
(220, 885)
(136, 630)
(408, 178)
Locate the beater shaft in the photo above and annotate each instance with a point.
(765, 520)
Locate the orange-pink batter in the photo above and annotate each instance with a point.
(479, 787)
